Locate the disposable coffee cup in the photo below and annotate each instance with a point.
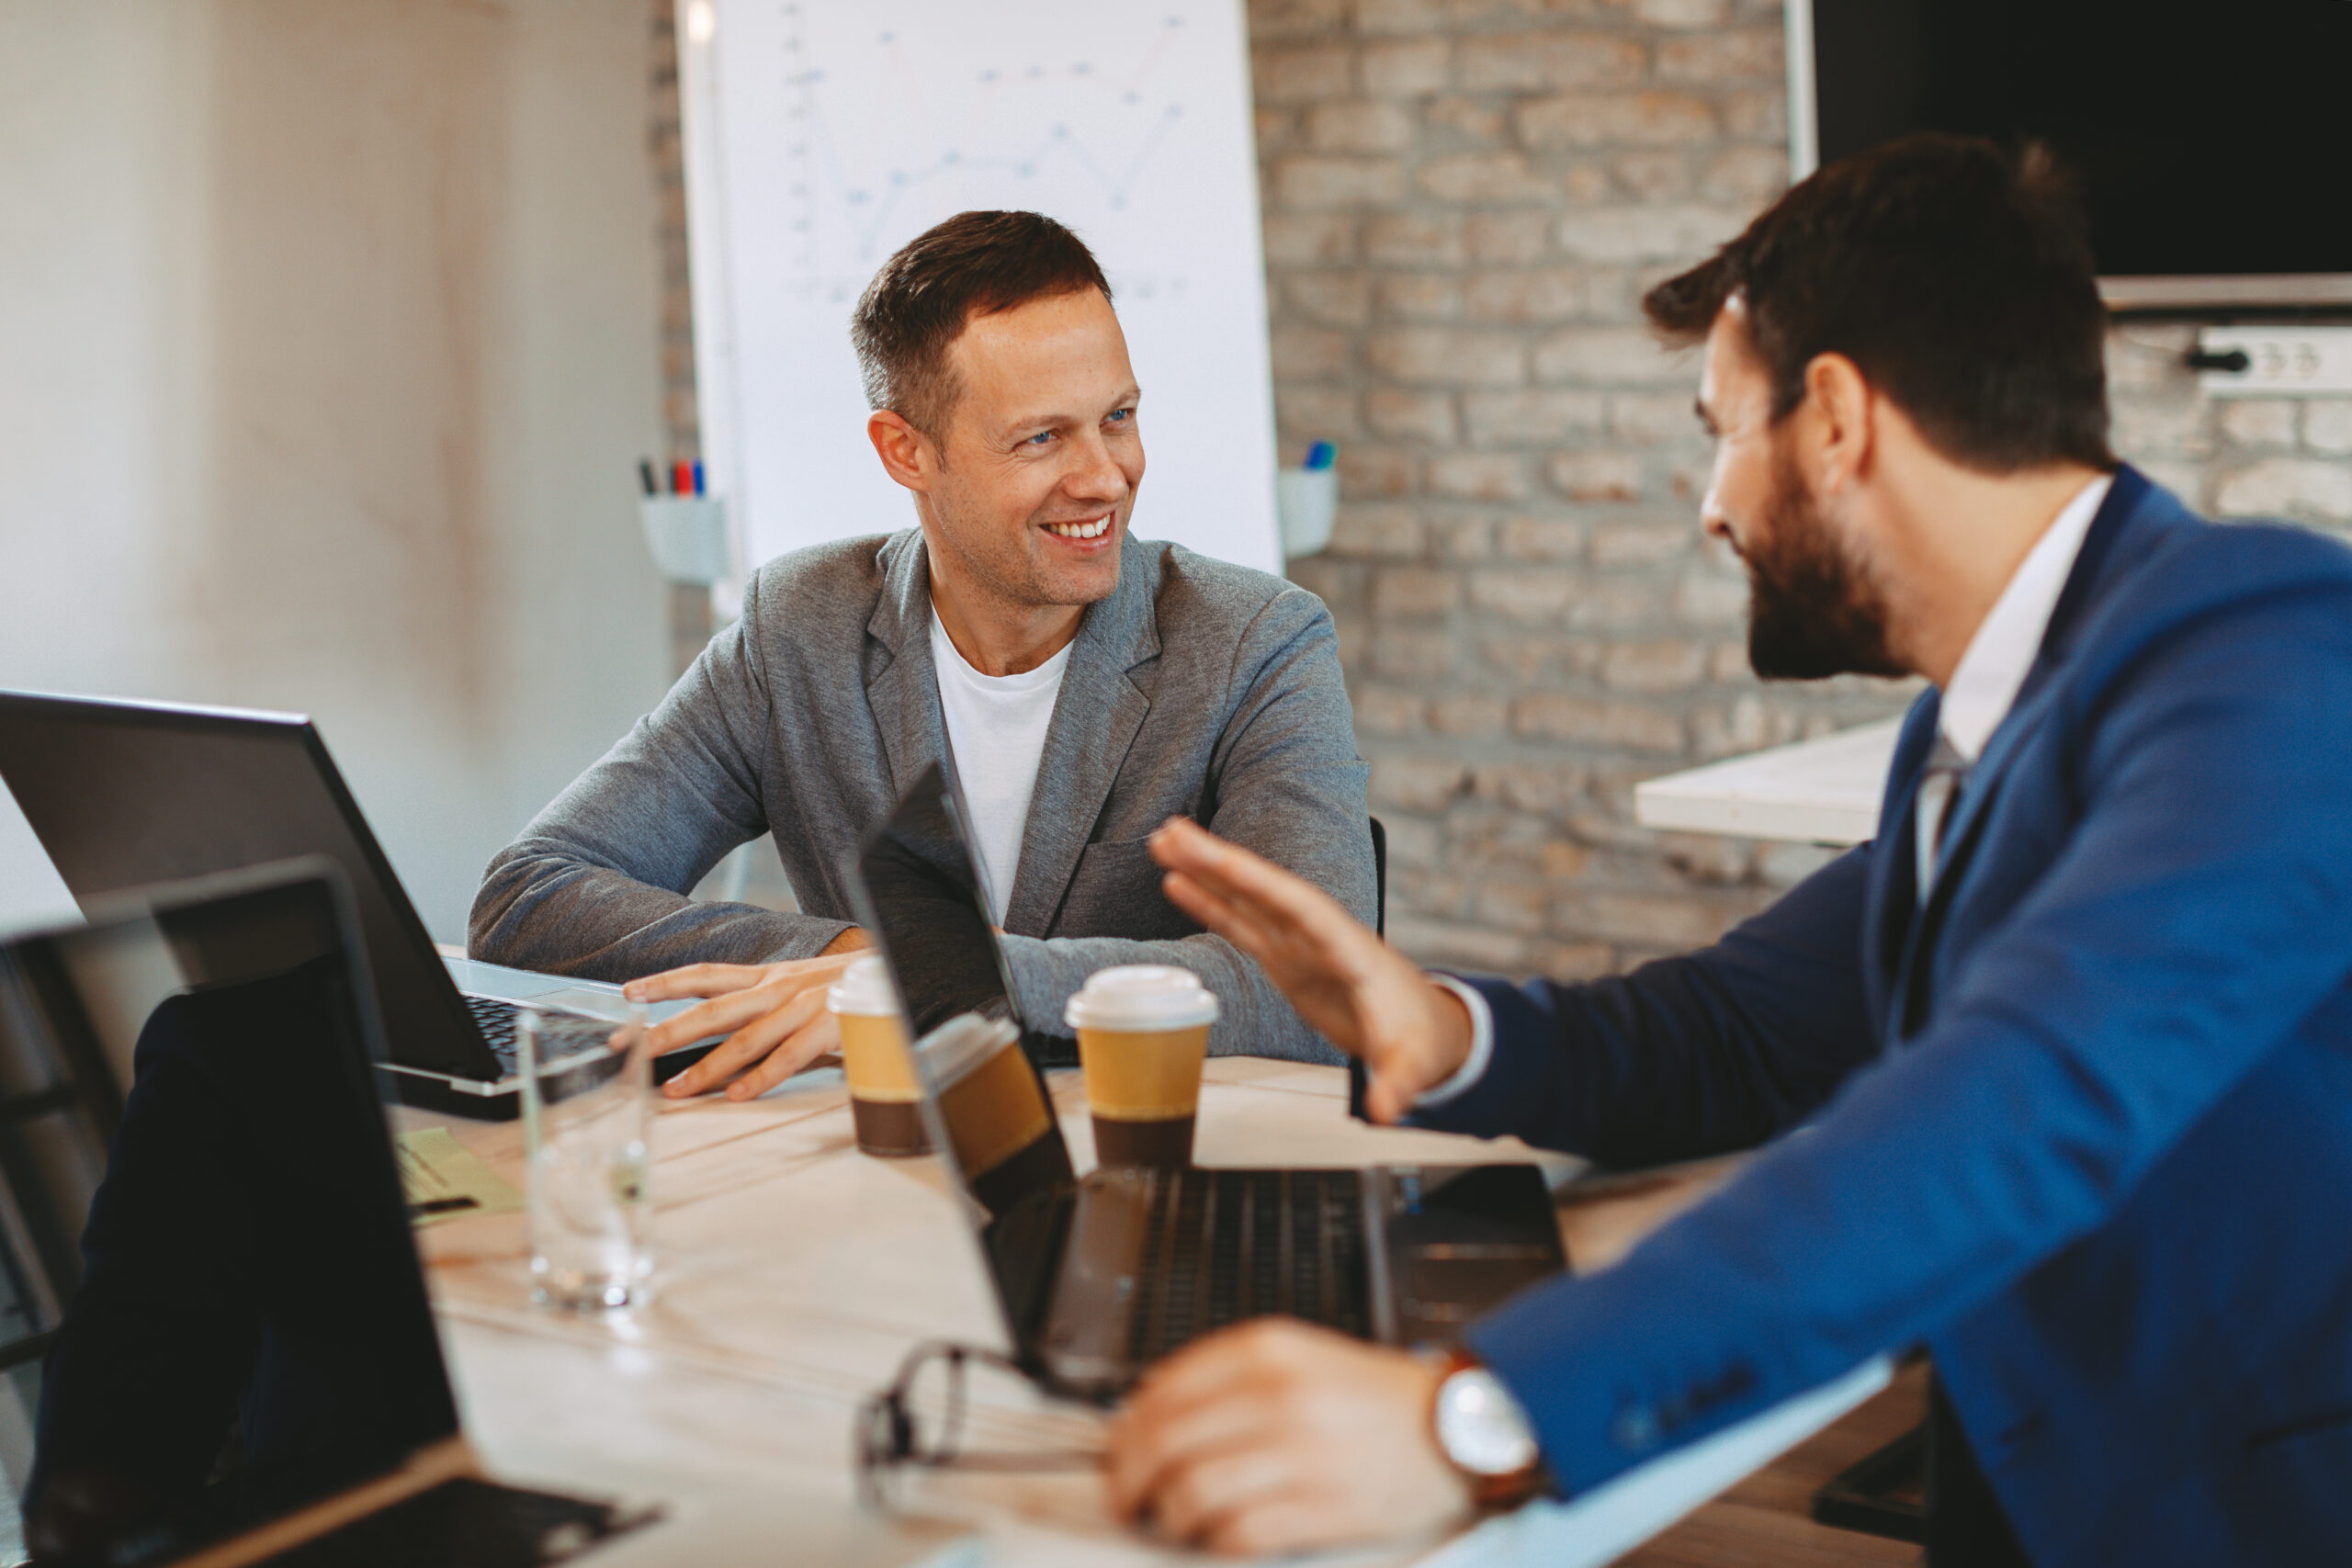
(999, 1123)
(885, 1101)
(1142, 1030)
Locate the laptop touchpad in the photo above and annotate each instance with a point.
(1461, 1240)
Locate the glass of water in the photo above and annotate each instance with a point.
(587, 1127)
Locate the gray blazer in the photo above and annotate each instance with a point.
(1199, 688)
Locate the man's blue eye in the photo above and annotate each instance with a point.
(1121, 415)
(1041, 438)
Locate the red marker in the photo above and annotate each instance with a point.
(682, 479)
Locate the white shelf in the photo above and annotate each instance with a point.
(1824, 791)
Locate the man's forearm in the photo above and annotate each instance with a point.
(1720, 1049)
(542, 908)
(1253, 1020)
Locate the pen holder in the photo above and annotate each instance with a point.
(1306, 501)
(687, 534)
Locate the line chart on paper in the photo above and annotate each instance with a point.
(890, 117)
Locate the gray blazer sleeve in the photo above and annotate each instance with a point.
(1285, 780)
(597, 884)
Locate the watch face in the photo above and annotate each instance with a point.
(1481, 1425)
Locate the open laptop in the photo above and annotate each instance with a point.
(215, 1340)
(124, 794)
(1099, 1276)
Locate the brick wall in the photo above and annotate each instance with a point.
(1464, 200)
(1463, 203)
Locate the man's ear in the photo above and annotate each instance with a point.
(907, 454)
(1843, 431)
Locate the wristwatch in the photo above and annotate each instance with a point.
(1484, 1434)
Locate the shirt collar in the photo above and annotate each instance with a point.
(1984, 685)
(948, 657)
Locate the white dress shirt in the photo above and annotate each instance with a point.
(996, 728)
(1983, 688)
(1985, 683)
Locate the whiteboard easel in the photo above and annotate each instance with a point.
(820, 135)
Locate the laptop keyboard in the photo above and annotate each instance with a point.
(1222, 1246)
(496, 1020)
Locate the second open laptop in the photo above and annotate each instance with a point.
(217, 1341)
(124, 794)
(1100, 1275)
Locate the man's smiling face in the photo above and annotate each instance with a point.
(1041, 456)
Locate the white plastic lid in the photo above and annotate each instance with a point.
(864, 990)
(1141, 996)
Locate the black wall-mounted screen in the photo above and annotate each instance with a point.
(2210, 140)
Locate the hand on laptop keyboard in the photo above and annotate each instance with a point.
(1277, 1437)
(773, 1017)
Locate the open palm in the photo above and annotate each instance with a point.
(1360, 993)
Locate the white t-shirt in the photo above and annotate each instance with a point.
(996, 727)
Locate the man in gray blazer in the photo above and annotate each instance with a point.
(1084, 685)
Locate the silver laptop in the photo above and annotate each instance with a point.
(1100, 1275)
(215, 1341)
(123, 795)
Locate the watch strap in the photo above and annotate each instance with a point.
(1488, 1492)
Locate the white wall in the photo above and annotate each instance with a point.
(327, 350)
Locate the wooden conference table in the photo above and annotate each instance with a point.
(795, 1272)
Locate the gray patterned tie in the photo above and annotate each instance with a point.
(1938, 787)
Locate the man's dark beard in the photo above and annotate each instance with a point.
(1810, 612)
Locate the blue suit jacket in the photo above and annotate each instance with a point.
(2082, 1125)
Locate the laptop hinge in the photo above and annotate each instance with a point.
(1380, 1276)
(487, 1087)
(1024, 1246)
(1087, 1335)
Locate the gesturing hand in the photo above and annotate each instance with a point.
(1278, 1437)
(1362, 994)
(774, 1012)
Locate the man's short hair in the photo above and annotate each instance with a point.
(1958, 279)
(975, 263)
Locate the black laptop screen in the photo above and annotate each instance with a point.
(213, 1314)
(926, 913)
(127, 794)
(922, 905)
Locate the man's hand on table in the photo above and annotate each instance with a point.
(1362, 994)
(774, 1016)
(1277, 1437)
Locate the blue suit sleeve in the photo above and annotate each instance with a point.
(2191, 907)
(1686, 1056)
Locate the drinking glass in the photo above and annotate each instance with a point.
(587, 1124)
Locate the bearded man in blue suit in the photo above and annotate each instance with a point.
(2069, 1045)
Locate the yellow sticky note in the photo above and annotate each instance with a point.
(445, 1180)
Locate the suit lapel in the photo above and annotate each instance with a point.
(1095, 720)
(2036, 696)
(904, 694)
(1905, 1007)
(1893, 897)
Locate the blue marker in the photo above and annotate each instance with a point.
(697, 478)
(1321, 456)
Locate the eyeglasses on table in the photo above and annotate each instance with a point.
(920, 1422)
